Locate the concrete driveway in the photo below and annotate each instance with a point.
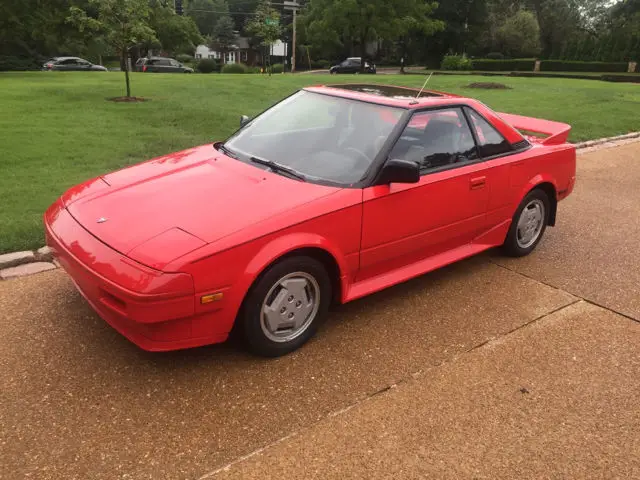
(490, 368)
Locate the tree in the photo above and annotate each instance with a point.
(124, 24)
(265, 26)
(354, 22)
(223, 34)
(519, 35)
(176, 33)
(206, 13)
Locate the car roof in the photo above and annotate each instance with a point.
(390, 95)
(66, 58)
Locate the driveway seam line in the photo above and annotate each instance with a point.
(385, 389)
(592, 302)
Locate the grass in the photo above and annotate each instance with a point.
(56, 129)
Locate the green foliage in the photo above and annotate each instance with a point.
(122, 23)
(223, 34)
(205, 13)
(235, 68)
(456, 62)
(265, 24)
(185, 58)
(563, 66)
(208, 65)
(337, 25)
(175, 33)
(519, 36)
(253, 70)
(277, 68)
(12, 63)
(495, 56)
(517, 65)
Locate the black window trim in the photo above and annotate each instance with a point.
(385, 152)
(512, 146)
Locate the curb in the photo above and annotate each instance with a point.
(19, 264)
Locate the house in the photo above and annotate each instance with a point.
(241, 51)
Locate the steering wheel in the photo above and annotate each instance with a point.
(362, 157)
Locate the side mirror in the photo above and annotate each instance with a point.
(399, 171)
(244, 120)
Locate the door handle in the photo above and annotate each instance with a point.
(477, 183)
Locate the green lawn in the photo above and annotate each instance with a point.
(56, 129)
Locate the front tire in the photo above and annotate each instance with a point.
(528, 225)
(285, 306)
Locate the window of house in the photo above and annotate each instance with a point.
(199, 55)
(436, 139)
(243, 55)
(490, 142)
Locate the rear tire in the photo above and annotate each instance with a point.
(528, 225)
(285, 306)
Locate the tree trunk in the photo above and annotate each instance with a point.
(363, 51)
(125, 62)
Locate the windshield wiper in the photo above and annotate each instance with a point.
(276, 167)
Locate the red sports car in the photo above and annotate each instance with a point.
(332, 194)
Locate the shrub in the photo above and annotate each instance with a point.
(456, 62)
(567, 66)
(8, 63)
(184, 58)
(277, 68)
(234, 68)
(253, 70)
(517, 65)
(324, 64)
(207, 65)
(495, 56)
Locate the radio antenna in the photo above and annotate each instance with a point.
(421, 90)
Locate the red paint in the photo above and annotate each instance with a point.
(197, 222)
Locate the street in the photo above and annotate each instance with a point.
(489, 368)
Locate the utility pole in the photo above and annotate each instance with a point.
(293, 6)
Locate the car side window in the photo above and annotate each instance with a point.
(490, 142)
(436, 139)
(69, 61)
(174, 63)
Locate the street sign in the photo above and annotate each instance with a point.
(271, 21)
(289, 5)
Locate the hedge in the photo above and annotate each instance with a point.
(517, 65)
(9, 63)
(564, 66)
(208, 65)
(234, 68)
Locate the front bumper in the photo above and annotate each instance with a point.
(154, 310)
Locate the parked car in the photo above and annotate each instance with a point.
(161, 65)
(295, 212)
(352, 65)
(69, 64)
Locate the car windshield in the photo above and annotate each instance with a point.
(322, 137)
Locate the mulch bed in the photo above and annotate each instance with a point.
(489, 86)
(128, 99)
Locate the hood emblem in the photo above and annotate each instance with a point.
(101, 220)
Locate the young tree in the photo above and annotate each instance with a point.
(124, 24)
(265, 26)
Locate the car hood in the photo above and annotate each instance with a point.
(160, 210)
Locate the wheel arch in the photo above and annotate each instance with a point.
(548, 186)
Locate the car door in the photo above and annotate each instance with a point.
(175, 66)
(446, 209)
(67, 65)
(83, 65)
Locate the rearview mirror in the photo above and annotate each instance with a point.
(399, 171)
(244, 120)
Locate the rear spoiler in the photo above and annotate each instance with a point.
(556, 133)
